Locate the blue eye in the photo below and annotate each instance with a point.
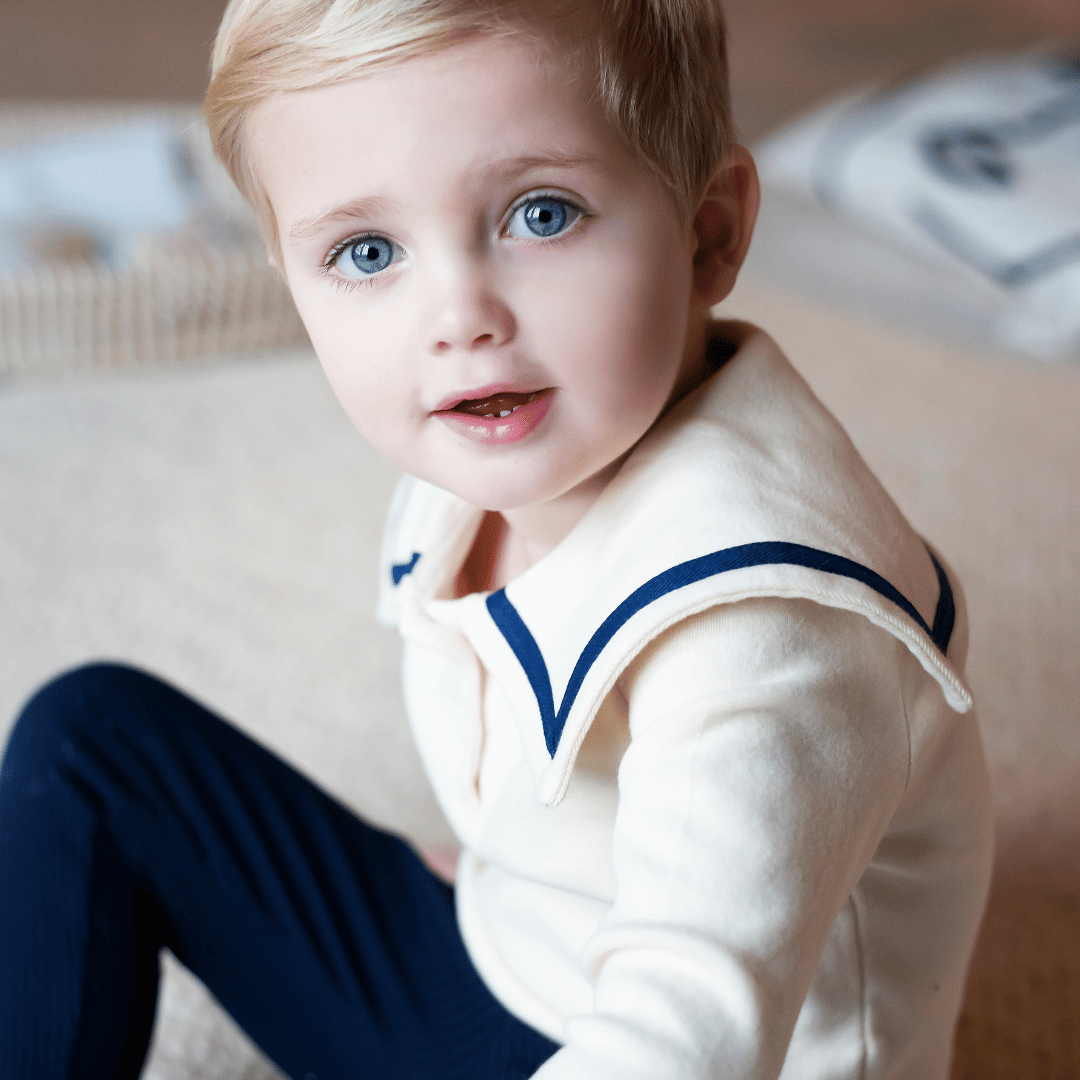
(366, 256)
(542, 216)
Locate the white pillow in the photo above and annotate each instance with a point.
(975, 168)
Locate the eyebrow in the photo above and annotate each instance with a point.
(505, 169)
(525, 162)
(307, 227)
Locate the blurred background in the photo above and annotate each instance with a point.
(785, 54)
(179, 489)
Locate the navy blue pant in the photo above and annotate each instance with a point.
(131, 818)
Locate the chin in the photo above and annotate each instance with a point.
(498, 494)
(494, 499)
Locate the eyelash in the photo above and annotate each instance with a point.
(348, 283)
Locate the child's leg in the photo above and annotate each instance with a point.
(131, 818)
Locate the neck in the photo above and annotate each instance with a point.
(532, 531)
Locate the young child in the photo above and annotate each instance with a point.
(686, 683)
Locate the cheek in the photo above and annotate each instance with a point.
(365, 389)
(620, 332)
(352, 350)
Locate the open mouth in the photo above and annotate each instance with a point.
(499, 418)
(495, 406)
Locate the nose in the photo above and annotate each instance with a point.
(469, 314)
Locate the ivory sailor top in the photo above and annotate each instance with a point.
(722, 801)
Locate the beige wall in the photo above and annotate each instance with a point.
(117, 49)
(785, 53)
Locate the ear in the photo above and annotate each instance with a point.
(723, 225)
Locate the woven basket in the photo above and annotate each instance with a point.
(78, 318)
(63, 318)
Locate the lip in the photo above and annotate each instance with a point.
(498, 430)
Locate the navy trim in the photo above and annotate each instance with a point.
(399, 570)
(529, 656)
(768, 553)
(945, 615)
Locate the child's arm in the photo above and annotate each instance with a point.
(769, 751)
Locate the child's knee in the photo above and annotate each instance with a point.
(78, 704)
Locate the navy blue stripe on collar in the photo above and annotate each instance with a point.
(518, 637)
(945, 615)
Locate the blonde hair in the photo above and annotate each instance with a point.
(660, 68)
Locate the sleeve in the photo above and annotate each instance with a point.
(769, 749)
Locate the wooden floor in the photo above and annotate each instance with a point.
(785, 54)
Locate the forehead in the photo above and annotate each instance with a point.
(461, 117)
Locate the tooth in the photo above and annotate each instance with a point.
(506, 412)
